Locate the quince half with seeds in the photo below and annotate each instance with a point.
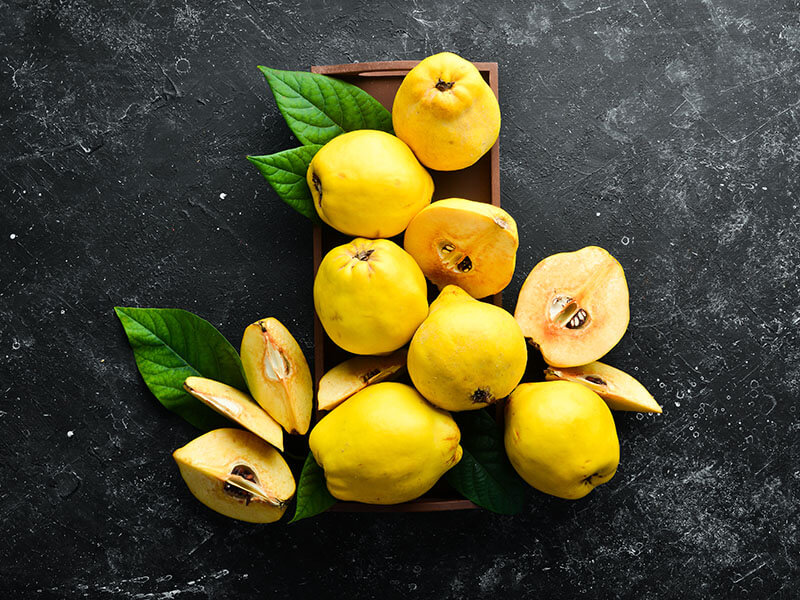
(462, 242)
(620, 390)
(277, 374)
(237, 474)
(574, 306)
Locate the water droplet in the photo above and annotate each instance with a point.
(15, 345)
(625, 240)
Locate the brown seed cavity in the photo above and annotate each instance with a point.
(578, 320)
(465, 265)
(369, 375)
(595, 380)
(443, 85)
(564, 311)
(244, 472)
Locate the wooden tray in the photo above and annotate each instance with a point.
(479, 182)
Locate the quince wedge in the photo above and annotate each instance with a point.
(574, 306)
(368, 183)
(620, 390)
(277, 374)
(467, 354)
(237, 474)
(385, 445)
(237, 406)
(354, 374)
(462, 242)
(370, 296)
(561, 438)
(446, 112)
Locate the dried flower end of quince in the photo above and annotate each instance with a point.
(353, 375)
(237, 406)
(619, 390)
(237, 474)
(277, 374)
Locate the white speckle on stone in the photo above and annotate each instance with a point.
(678, 404)
(63, 311)
(764, 188)
(13, 236)
(70, 433)
(625, 240)
(223, 195)
(597, 214)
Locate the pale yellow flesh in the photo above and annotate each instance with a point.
(277, 374)
(619, 390)
(465, 243)
(207, 464)
(561, 438)
(385, 445)
(595, 282)
(353, 375)
(237, 406)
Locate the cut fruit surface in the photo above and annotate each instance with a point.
(353, 375)
(237, 474)
(574, 306)
(277, 374)
(462, 242)
(619, 390)
(237, 406)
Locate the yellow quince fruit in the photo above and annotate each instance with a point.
(446, 112)
(370, 296)
(385, 445)
(467, 353)
(560, 437)
(368, 183)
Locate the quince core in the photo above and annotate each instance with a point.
(462, 242)
(574, 306)
(354, 374)
(237, 474)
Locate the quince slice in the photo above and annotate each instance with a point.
(237, 474)
(462, 242)
(237, 406)
(574, 306)
(620, 390)
(353, 375)
(277, 374)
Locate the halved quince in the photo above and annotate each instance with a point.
(237, 474)
(277, 374)
(574, 306)
(237, 406)
(353, 375)
(462, 242)
(620, 390)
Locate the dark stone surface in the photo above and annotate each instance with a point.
(666, 132)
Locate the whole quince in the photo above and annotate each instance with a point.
(370, 296)
(560, 437)
(446, 112)
(385, 445)
(467, 353)
(368, 183)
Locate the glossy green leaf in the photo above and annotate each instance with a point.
(484, 474)
(170, 345)
(286, 173)
(313, 496)
(317, 108)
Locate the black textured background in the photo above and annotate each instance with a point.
(666, 132)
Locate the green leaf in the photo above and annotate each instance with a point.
(318, 108)
(313, 496)
(286, 173)
(484, 474)
(170, 345)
